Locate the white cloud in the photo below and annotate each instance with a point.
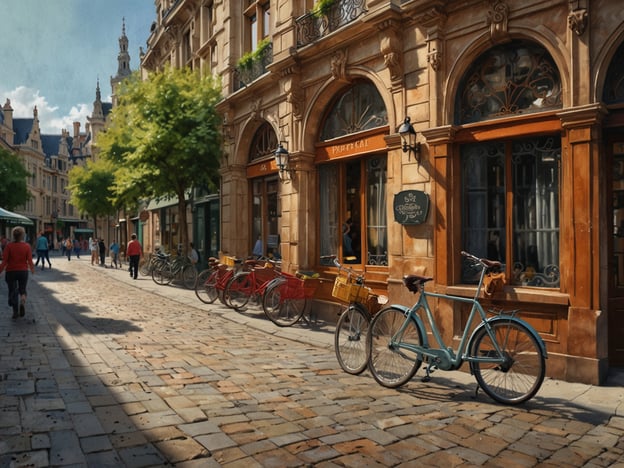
(23, 101)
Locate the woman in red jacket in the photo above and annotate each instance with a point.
(17, 260)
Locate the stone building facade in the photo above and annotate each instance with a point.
(517, 152)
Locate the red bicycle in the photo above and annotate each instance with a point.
(211, 283)
(248, 283)
(285, 299)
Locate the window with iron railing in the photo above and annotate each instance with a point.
(316, 24)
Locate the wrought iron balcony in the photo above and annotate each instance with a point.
(311, 27)
(244, 75)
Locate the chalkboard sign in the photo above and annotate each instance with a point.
(411, 207)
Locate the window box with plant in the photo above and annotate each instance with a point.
(256, 56)
(321, 8)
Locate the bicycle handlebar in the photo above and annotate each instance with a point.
(486, 263)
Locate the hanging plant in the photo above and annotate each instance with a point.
(247, 61)
(321, 7)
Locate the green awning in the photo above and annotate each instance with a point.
(14, 218)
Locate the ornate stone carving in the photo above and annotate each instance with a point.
(338, 65)
(577, 18)
(498, 17)
(390, 47)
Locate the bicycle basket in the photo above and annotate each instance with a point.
(227, 260)
(348, 290)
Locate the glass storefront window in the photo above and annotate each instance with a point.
(520, 178)
(352, 198)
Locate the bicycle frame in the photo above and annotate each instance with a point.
(444, 357)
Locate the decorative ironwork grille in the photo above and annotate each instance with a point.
(511, 79)
(246, 75)
(311, 27)
(357, 109)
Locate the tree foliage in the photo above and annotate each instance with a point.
(13, 188)
(164, 137)
(92, 189)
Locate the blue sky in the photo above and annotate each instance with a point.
(52, 52)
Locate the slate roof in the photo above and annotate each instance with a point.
(22, 128)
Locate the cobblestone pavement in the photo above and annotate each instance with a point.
(109, 371)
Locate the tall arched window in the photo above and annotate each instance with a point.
(352, 190)
(510, 186)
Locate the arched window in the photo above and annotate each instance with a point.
(358, 108)
(264, 142)
(510, 186)
(352, 190)
(511, 79)
(614, 85)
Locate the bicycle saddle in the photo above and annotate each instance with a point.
(413, 282)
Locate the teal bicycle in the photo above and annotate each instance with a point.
(506, 355)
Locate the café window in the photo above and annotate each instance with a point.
(512, 79)
(353, 211)
(511, 188)
(510, 208)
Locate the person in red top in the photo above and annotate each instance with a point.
(17, 260)
(134, 252)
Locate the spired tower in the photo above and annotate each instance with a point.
(123, 63)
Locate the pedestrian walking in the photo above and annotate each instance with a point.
(17, 260)
(193, 255)
(68, 248)
(43, 251)
(114, 254)
(102, 251)
(93, 248)
(134, 251)
(77, 248)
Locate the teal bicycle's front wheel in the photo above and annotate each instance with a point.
(350, 339)
(519, 377)
(391, 364)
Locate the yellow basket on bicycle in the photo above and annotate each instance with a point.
(347, 290)
(227, 260)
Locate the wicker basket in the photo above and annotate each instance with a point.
(347, 290)
(227, 260)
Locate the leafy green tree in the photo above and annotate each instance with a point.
(13, 188)
(92, 189)
(164, 137)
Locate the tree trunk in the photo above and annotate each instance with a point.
(184, 240)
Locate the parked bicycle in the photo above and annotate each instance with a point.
(178, 268)
(352, 326)
(212, 281)
(285, 298)
(147, 263)
(249, 283)
(506, 355)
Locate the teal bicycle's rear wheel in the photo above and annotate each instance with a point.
(391, 364)
(350, 342)
(520, 376)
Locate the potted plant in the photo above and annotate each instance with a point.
(247, 61)
(321, 7)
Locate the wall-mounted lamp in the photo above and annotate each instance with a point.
(408, 137)
(281, 160)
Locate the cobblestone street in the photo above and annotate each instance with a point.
(105, 370)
